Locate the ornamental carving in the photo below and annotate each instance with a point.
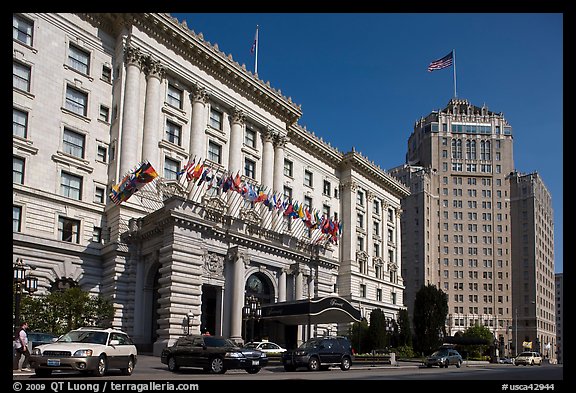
(361, 256)
(214, 207)
(238, 116)
(153, 68)
(213, 265)
(268, 135)
(250, 216)
(133, 55)
(281, 141)
(352, 185)
(200, 94)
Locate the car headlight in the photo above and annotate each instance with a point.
(263, 355)
(83, 353)
(234, 355)
(36, 351)
(300, 353)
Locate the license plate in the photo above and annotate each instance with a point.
(53, 362)
(255, 362)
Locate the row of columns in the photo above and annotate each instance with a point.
(272, 174)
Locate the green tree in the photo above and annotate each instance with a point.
(377, 338)
(61, 311)
(405, 330)
(430, 311)
(477, 334)
(359, 336)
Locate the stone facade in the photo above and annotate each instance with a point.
(95, 94)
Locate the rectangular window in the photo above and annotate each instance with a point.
(173, 132)
(171, 168)
(288, 192)
(19, 123)
(104, 114)
(21, 76)
(360, 198)
(71, 186)
(106, 73)
(17, 170)
(76, 101)
(288, 167)
(79, 59)
(249, 168)
(376, 228)
(327, 188)
(215, 119)
(250, 138)
(174, 97)
(99, 193)
(360, 220)
(376, 207)
(363, 290)
(326, 210)
(73, 143)
(308, 202)
(97, 235)
(22, 29)
(308, 180)
(16, 218)
(214, 152)
(376, 249)
(101, 153)
(68, 230)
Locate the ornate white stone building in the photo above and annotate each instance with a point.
(95, 94)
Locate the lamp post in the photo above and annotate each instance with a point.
(189, 318)
(516, 331)
(21, 282)
(251, 311)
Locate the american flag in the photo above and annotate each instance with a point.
(439, 64)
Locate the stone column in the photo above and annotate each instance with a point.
(199, 99)
(268, 159)
(299, 277)
(279, 163)
(130, 110)
(282, 285)
(152, 128)
(235, 156)
(236, 258)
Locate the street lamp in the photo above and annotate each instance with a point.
(251, 311)
(21, 282)
(189, 318)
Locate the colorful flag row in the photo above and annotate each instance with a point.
(132, 182)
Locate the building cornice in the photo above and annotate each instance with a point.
(314, 145)
(359, 163)
(206, 56)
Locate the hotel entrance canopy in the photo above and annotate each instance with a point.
(330, 309)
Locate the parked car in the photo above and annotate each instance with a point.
(39, 338)
(87, 349)
(506, 360)
(320, 354)
(214, 354)
(444, 357)
(268, 347)
(528, 358)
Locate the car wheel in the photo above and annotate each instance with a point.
(102, 366)
(129, 367)
(41, 372)
(459, 363)
(289, 368)
(217, 366)
(172, 365)
(314, 364)
(253, 370)
(345, 364)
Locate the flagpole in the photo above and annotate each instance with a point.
(256, 53)
(454, 61)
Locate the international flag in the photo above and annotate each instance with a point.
(133, 182)
(444, 62)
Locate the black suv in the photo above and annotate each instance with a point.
(320, 353)
(214, 354)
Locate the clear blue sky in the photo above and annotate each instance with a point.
(362, 79)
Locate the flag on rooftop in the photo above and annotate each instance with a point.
(444, 62)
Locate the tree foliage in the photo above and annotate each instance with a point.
(430, 311)
(478, 334)
(377, 338)
(62, 311)
(404, 329)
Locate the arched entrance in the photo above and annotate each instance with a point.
(259, 287)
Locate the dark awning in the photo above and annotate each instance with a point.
(330, 309)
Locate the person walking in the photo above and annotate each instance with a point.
(21, 346)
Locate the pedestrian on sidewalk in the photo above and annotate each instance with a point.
(21, 348)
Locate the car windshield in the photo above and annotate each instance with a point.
(310, 344)
(218, 342)
(440, 353)
(77, 336)
(526, 354)
(251, 345)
